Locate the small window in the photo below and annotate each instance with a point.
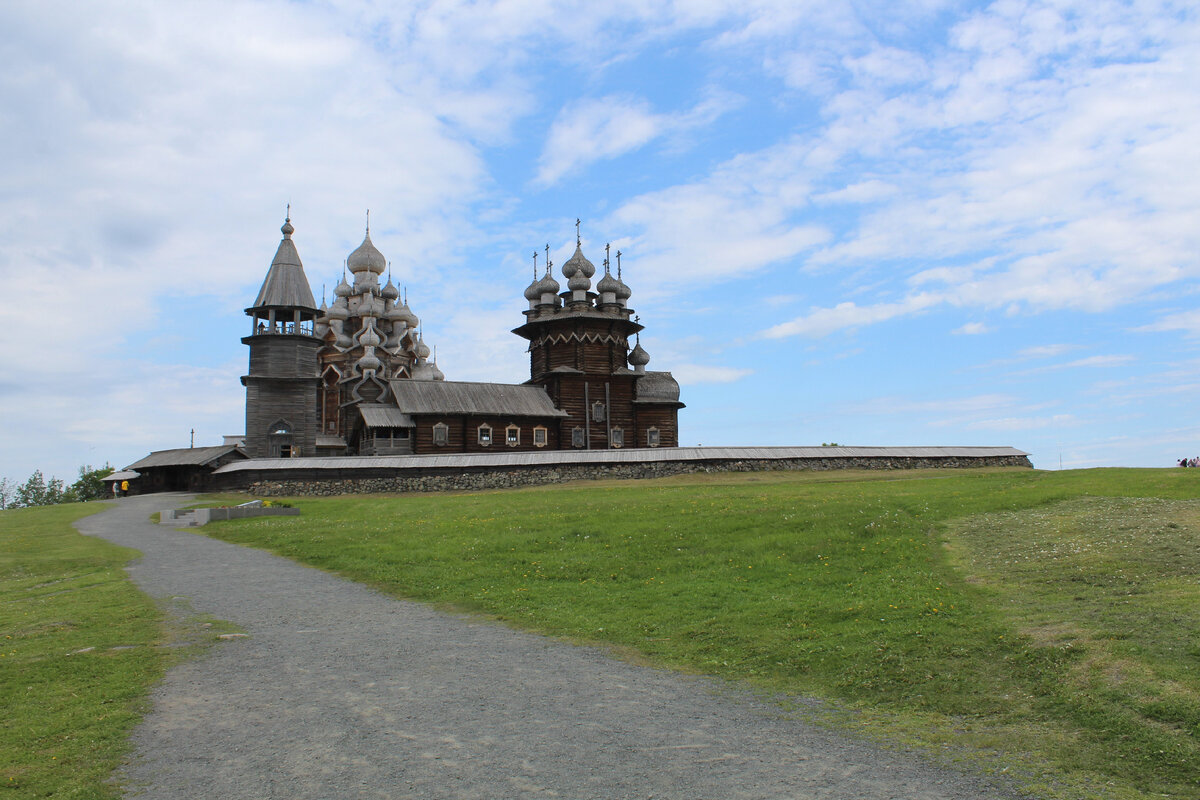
(577, 438)
(512, 436)
(441, 434)
(539, 437)
(652, 439)
(598, 412)
(616, 438)
(485, 435)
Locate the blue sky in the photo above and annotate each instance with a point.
(890, 223)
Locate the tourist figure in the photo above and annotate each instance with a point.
(124, 488)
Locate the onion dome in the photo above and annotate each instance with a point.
(579, 282)
(369, 361)
(639, 357)
(389, 292)
(608, 284)
(339, 309)
(398, 314)
(422, 349)
(369, 338)
(578, 264)
(548, 285)
(533, 292)
(343, 289)
(367, 258)
(435, 373)
(403, 313)
(286, 229)
(370, 306)
(622, 291)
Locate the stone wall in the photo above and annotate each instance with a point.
(337, 482)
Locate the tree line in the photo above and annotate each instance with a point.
(37, 491)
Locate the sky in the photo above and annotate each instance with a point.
(904, 222)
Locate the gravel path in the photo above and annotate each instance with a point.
(341, 692)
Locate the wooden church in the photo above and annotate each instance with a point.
(355, 377)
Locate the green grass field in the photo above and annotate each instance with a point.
(1043, 625)
(77, 658)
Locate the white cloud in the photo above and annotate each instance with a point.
(973, 404)
(1100, 361)
(1186, 321)
(824, 321)
(972, 329)
(1044, 136)
(736, 221)
(1090, 362)
(863, 192)
(1022, 423)
(590, 130)
(1046, 350)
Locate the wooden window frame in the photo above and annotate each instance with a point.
(441, 434)
(541, 432)
(509, 439)
(485, 440)
(653, 437)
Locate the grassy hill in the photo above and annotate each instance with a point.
(78, 654)
(1045, 625)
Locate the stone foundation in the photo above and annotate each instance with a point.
(326, 482)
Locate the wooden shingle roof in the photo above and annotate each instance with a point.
(381, 416)
(459, 397)
(186, 456)
(625, 456)
(286, 284)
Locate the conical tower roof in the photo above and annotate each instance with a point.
(286, 284)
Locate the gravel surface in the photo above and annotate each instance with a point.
(342, 692)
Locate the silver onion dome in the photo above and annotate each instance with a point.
(367, 258)
(339, 309)
(578, 264)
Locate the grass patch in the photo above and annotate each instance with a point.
(921, 602)
(79, 652)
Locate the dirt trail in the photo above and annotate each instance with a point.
(341, 692)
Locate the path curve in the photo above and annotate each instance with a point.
(342, 692)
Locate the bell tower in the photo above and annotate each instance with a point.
(282, 384)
